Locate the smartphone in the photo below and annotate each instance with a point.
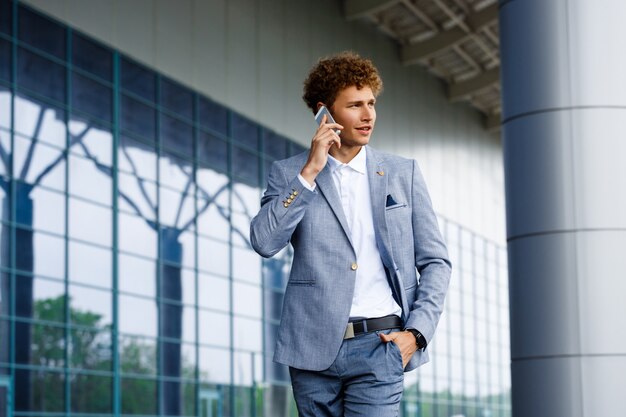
(329, 118)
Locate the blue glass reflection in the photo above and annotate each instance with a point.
(41, 121)
(6, 60)
(137, 157)
(212, 116)
(40, 75)
(246, 166)
(176, 135)
(245, 131)
(212, 152)
(274, 145)
(41, 32)
(91, 56)
(296, 148)
(6, 17)
(137, 79)
(137, 117)
(176, 98)
(91, 97)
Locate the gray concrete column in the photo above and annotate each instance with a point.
(564, 135)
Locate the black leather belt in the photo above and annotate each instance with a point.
(358, 327)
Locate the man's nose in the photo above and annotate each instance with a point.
(368, 114)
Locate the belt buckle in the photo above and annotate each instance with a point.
(349, 334)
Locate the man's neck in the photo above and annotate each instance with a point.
(344, 154)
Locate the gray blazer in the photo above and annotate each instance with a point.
(321, 284)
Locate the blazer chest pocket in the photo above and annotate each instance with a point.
(395, 207)
(301, 282)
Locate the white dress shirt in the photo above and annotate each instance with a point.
(372, 294)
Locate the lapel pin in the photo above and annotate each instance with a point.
(381, 173)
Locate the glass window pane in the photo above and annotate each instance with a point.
(137, 275)
(137, 235)
(213, 256)
(90, 307)
(91, 349)
(6, 17)
(91, 56)
(6, 59)
(40, 75)
(41, 32)
(91, 97)
(241, 229)
(137, 196)
(176, 173)
(40, 391)
(6, 97)
(48, 297)
(47, 208)
(245, 131)
(176, 135)
(91, 393)
(212, 152)
(213, 187)
(135, 391)
(37, 163)
(47, 345)
(44, 122)
(90, 264)
(176, 98)
(92, 141)
(214, 328)
(138, 355)
(296, 148)
(137, 316)
(214, 365)
(246, 299)
(87, 180)
(213, 220)
(137, 157)
(48, 253)
(176, 209)
(137, 79)
(212, 116)
(246, 166)
(246, 265)
(213, 292)
(247, 334)
(274, 145)
(137, 118)
(89, 222)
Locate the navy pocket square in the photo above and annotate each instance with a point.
(390, 201)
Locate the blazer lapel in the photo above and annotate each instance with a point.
(326, 185)
(378, 179)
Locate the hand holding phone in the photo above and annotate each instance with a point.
(329, 118)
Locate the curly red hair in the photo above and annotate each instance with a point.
(334, 73)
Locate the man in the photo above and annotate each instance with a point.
(355, 317)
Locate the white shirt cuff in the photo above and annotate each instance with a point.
(306, 184)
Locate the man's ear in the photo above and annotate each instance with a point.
(319, 105)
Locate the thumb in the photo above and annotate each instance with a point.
(386, 337)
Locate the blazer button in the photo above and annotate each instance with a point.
(285, 205)
(354, 266)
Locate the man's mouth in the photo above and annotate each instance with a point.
(364, 129)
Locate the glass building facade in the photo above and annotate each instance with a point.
(127, 282)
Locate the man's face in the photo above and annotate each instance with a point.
(354, 110)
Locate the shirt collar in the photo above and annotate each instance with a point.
(358, 163)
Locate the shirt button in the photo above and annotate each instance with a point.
(354, 266)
